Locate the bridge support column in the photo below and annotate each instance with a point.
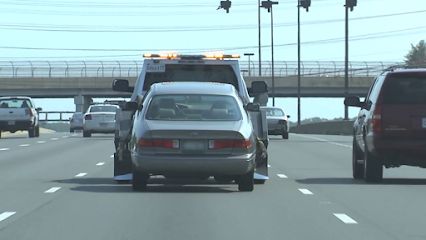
(82, 103)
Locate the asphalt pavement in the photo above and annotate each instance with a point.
(59, 186)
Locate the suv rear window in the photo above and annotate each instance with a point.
(404, 90)
(192, 73)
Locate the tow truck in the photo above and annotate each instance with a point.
(176, 67)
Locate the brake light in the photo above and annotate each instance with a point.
(29, 112)
(377, 119)
(230, 143)
(88, 117)
(160, 143)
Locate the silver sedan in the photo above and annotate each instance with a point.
(278, 123)
(192, 129)
(99, 118)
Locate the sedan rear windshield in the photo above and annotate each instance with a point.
(404, 90)
(193, 108)
(274, 112)
(192, 73)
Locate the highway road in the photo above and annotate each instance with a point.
(59, 186)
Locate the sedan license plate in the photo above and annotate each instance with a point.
(424, 122)
(193, 146)
(103, 124)
(10, 122)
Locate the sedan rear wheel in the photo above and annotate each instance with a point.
(246, 182)
(357, 167)
(285, 135)
(373, 168)
(31, 132)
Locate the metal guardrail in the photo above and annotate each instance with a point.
(54, 116)
(81, 69)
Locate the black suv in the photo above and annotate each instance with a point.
(390, 129)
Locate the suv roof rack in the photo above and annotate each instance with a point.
(403, 66)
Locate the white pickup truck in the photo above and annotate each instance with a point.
(19, 114)
(173, 67)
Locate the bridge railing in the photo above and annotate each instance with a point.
(54, 116)
(82, 69)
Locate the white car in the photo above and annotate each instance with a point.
(99, 118)
(19, 114)
(76, 122)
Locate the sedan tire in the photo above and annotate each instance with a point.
(373, 168)
(31, 132)
(87, 133)
(285, 135)
(357, 168)
(246, 182)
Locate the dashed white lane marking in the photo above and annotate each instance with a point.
(52, 190)
(282, 176)
(326, 141)
(100, 164)
(6, 215)
(345, 218)
(112, 156)
(41, 142)
(54, 139)
(24, 145)
(81, 175)
(64, 136)
(269, 166)
(4, 149)
(305, 191)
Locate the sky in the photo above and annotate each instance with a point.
(64, 30)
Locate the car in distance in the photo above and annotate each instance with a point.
(76, 121)
(99, 118)
(19, 114)
(193, 129)
(278, 123)
(390, 129)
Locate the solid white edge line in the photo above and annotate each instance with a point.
(345, 218)
(305, 191)
(52, 190)
(6, 215)
(100, 164)
(24, 145)
(4, 149)
(81, 175)
(282, 176)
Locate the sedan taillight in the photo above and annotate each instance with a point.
(230, 143)
(88, 117)
(29, 112)
(282, 122)
(160, 143)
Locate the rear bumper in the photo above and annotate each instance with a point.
(108, 127)
(194, 165)
(400, 152)
(277, 129)
(16, 125)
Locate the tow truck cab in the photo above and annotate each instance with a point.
(173, 67)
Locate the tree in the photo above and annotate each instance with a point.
(417, 55)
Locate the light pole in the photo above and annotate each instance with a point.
(249, 55)
(350, 4)
(268, 5)
(260, 46)
(305, 4)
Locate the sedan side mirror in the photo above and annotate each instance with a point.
(131, 106)
(252, 107)
(353, 101)
(121, 85)
(288, 116)
(39, 109)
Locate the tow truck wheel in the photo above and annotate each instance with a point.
(259, 181)
(246, 183)
(37, 131)
(139, 181)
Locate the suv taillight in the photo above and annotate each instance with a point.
(376, 120)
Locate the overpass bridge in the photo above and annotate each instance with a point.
(83, 80)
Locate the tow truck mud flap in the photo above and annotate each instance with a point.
(122, 167)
